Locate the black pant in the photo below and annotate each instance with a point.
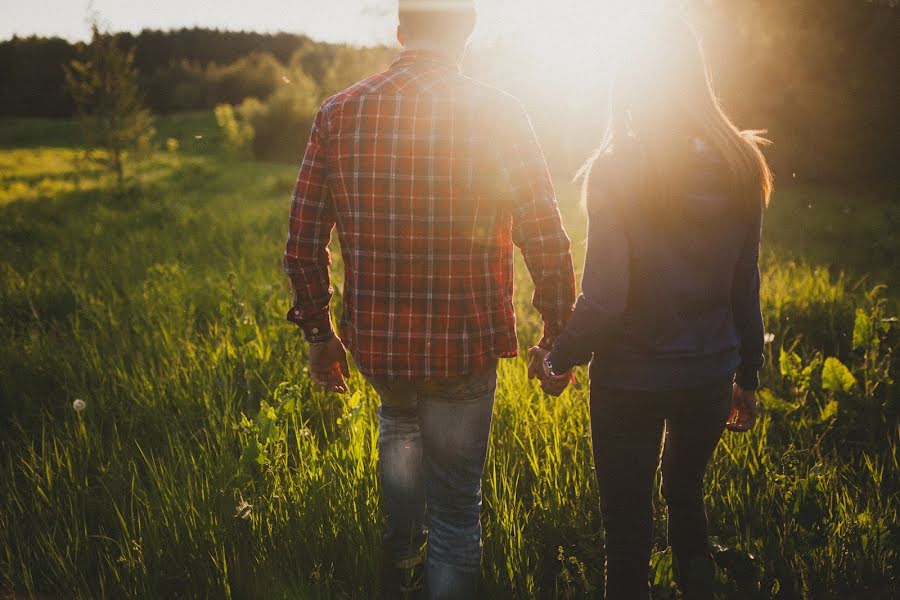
(627, 427)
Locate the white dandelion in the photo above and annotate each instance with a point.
(79, 405)
(769, 338)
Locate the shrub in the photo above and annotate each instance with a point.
(282, 123)
(237, 132)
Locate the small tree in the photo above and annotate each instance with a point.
(104, 85)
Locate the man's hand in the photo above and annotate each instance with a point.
(328, 365)
(744, 410)
(536, 362)
(553, 385)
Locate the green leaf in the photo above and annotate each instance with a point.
(791, 365)
(862, 330)
(775, 404)
(253, 453)
(836, 377)
(830, 410)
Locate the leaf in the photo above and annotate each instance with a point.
(836, 377)
(830, 410)
(253, 453)
(862, 330)
(790, 365)
(775, 404)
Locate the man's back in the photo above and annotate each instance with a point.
(429, 177)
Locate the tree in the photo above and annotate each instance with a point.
(104, 85)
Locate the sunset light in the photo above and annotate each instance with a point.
(449, 299)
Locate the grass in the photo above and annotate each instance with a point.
(206, 464)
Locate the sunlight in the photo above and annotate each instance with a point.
(564, 45)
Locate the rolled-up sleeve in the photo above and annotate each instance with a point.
(307, 258)
(537, 228)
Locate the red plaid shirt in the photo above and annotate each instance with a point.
(430, 177)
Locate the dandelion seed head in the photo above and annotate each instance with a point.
(769, 338)
(79, 405)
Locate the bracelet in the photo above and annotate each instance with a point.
(549, 366)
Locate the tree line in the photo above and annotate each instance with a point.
(819, 75)
(185, 69)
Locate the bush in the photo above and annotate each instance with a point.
(282, 123)
(237, 132)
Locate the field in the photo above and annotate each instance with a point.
(205, 464)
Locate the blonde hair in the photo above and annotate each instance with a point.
(661, 89)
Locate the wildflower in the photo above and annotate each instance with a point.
(769, 338)
(79, 405)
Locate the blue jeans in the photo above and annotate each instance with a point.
(432, 443)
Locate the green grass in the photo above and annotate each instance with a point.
(854, 230)
(162, 308)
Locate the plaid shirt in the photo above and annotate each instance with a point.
(430, 178)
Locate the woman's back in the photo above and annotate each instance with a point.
(685, 261)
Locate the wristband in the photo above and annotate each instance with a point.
(549, 366)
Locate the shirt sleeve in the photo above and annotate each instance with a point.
(745, 306)
(537, 228)
(601, 307)
(307, 258)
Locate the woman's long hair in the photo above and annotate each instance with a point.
(661, 99)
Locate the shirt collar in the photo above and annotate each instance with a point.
(425, 57)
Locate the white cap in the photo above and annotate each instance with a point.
(436, 5)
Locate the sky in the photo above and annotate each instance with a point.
(353, 21)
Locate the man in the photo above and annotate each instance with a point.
(430, 178)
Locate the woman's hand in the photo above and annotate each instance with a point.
(553, 385)
(744, 410)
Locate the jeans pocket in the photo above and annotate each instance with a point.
(470, 387)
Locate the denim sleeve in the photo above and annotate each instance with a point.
(745, 306)
(601, 306)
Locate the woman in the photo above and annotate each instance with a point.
(670, 307)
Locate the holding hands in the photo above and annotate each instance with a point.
(538, 366)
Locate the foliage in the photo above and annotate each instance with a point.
(820, 76)
(238, 134)
(104, 86)
(206, 463)
(283, 122)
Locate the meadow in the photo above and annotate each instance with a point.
(204, 463)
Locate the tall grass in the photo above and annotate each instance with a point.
(206, 463)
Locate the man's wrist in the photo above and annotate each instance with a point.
(316, 329)
(546, 342)
(317, 332)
